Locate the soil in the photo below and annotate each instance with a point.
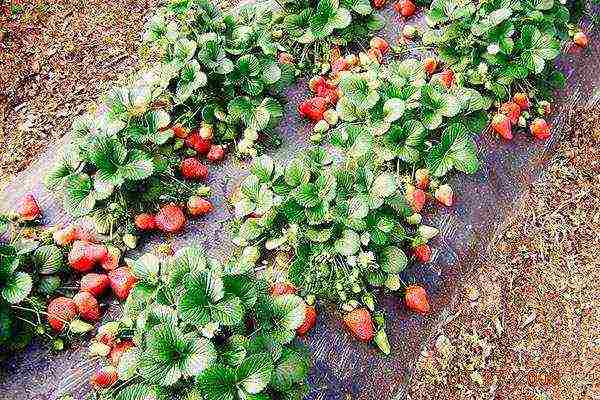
(527, 326)
(57, 58)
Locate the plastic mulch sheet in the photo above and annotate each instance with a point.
(341, 365)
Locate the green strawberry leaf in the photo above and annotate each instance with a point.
(455, 150)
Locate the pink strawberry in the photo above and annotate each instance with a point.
(65, 236)
(198, 206)
(430, 65)
(170, 219)
(581, 40)
(281, 288)
(502, 126)
(339, 65)
(216, 153)
(117, 351)
(95, 284)
(447, 78)
(121, 282)
(28, 208)
(415, 198)
(87, 306)
(522, 100)
(379, 44)
(406, 8)
(111, 259)
(444, 195)
(422, 178)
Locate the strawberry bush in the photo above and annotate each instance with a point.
(197, 328)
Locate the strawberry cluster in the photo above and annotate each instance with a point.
(108, 344)
(515, 113)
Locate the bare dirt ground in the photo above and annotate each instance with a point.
(527, 326)
(56, 58)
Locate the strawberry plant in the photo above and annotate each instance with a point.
(340, 229)
(501, 46)
(195, 327)
(315, 28)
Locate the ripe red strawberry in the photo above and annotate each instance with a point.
(406, 8)
(216, 153)
(206, 131)
(375, 55)
(379, 3)
(512, 110)
(196, 142)
(430, 65)
(447, 78)
(310, 319)
(170, 219)
(87, 306)
(445, 195)
(416, 299)
(180, 131)
(422, 178)
(95, 284)
(326, 90)
(117, 351)
(285, 58)
(121, 282)
(522, 100)
(145, 222)
(540, 129)
(422, 253)
(359, 322)
(581, 40)
(501, 125)
(28, 208)
(84, 255)
(191, 168)
(198, 206)
(339, 65)
(415, 198)
(111, 259)
(61, 310)
(313, 108)
(281, 288)
(104, 378)
(379, 44)
(65, 236)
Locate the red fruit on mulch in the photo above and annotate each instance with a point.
(180, 131)
(512, 110)
(522, 100)
(216, 153)
(447, 78)
(198, 206)
(406, 8)
(379, 44)
(416, 299)
(415, 198)
(121, 282)
(379, 3)
(104, 378)
(422, 178)
(430, 65)
(84, 255)
(118, 349)
(87, 306)
(314, 108)
(170, 219)
(540, 129)
(360, 324)
(581, 40)
(191, 168)
(310, 319)
(28, 208)
(502, 126)
(281, 288)
(111, 260)
(444, 195)
(61, 310)
(285, 58)
(95, 284)
(145, 222)
(339, 65)
(422, 253)
(198, 143)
